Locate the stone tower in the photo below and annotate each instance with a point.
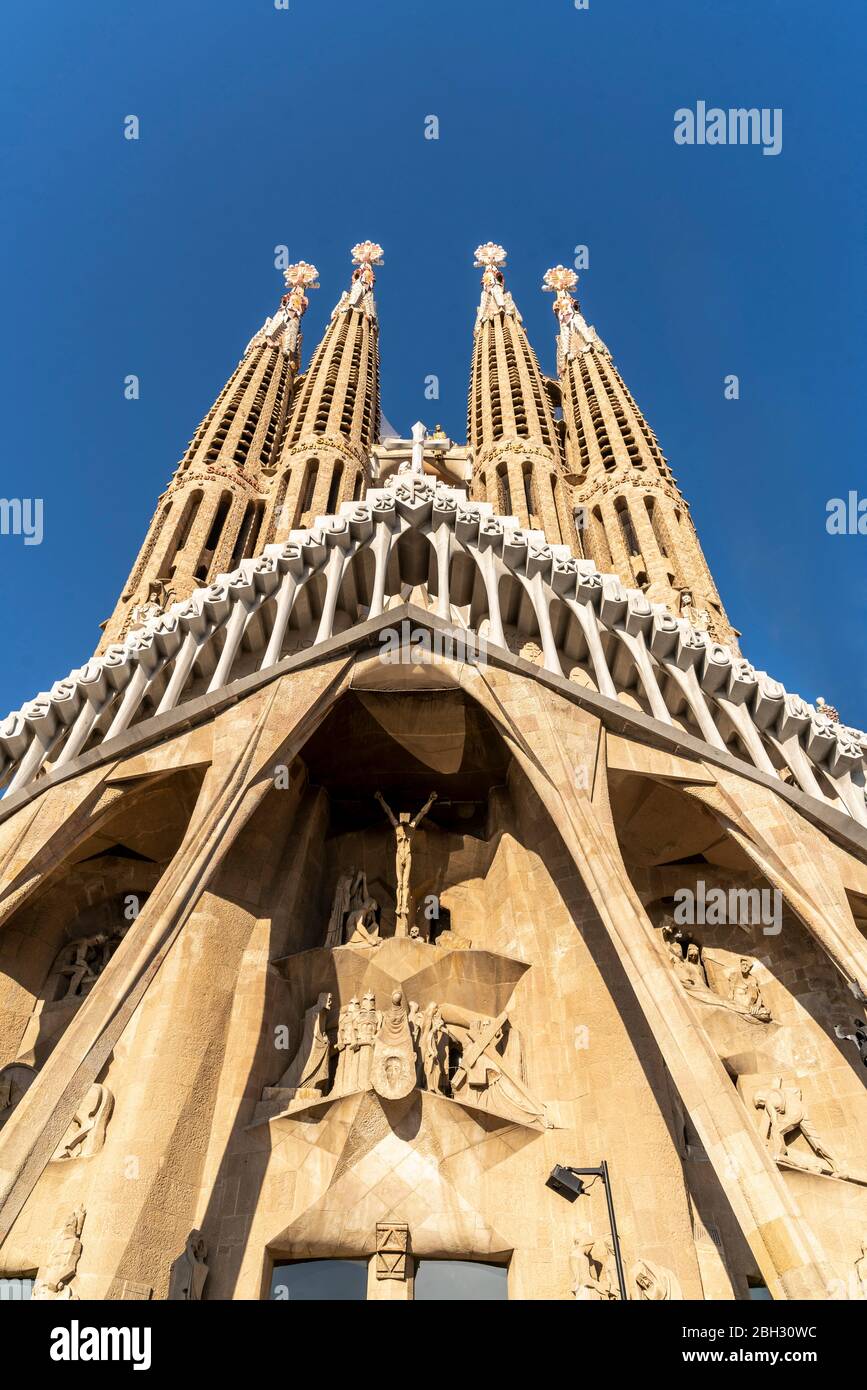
(210, 516)
(410, 852)
(635, 521)
(334, 422)
(517, 455)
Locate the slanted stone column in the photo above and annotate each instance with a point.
(551, 739)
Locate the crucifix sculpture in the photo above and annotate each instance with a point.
(404, 828)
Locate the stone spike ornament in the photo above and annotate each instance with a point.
(299, 277)
(561, 281)
(496, 299)
(394, 996)
(489, 256)
(302, 273)
(560, 278)
(366, 255)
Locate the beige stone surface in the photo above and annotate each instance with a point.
(555, 886)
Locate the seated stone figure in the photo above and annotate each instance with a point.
(362, 927)
(745, 993)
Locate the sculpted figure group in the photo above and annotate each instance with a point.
(355, 912)
(442, 1048)
(742, 995)
(81, 962)
(594, 1276)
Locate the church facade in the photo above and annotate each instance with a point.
(418, 894)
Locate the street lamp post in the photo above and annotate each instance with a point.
(559, 1181)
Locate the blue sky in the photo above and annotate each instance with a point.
(306, 127)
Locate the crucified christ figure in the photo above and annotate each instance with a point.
(404, 828)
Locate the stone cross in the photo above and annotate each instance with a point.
(419, 435)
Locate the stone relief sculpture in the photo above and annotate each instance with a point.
(745, 993)
(77, 967)
(404, 827)
(86, 1133)
(433, 1049)
(688, 968)
(349, 895)
(443, 1048)
(594, 1271)
(784, 1118)
(742, 994)
(357, 1027)
(490, 1077)
(55, 1280)
(347, 1047)
(79, 964)
(189, 1272)
(308, 1070)
(369, 1020)
(392, 1245)
(15, 1078)
(393, 1067)
(654, 1283)
(457, 1051)
(362, 928)
(450, 940)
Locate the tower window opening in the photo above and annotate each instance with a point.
(239, 548)
(555, 497)
(186, 526)
(308, 490)
(214, 534)
(530, 495)
(334, 490)
(253, 528)
(630, 539)
(601, 551)
(504, 491)
(656, 523)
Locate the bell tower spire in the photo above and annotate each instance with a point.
(210, 516)
(517, 460)
(334, 422)
(636, 520)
